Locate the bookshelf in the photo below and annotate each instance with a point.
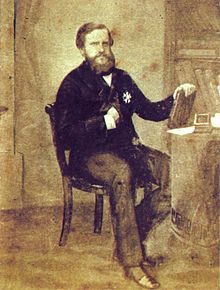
(195, 46)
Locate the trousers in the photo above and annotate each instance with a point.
(122, 171)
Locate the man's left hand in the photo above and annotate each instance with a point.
(187, 88)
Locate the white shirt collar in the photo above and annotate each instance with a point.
(108, 79)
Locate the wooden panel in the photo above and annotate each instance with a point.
(194, 19)
(212, 43)
(197, 53)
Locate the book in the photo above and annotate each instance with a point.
(181, 111)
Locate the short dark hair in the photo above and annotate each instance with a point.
(87, 28)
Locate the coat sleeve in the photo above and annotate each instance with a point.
(69, 125)
(154, 111)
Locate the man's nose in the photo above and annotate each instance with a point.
(100, 47)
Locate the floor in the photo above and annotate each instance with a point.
(30, 257)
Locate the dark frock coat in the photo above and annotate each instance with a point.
(82, 101)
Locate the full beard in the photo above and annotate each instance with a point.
(102, 68)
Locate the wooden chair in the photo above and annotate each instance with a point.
(70, 182)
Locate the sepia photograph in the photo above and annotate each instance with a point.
(109, 144)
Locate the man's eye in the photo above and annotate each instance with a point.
(105, 44)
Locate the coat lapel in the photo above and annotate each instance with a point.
(99, 89)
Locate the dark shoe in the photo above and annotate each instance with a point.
(142, 278)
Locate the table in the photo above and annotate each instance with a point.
(195, 175)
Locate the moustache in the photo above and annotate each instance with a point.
(108, 56)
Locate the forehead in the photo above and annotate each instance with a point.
(97, 35)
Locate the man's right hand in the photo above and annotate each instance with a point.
(114, 113)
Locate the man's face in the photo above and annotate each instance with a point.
(97, 51)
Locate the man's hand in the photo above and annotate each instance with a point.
(111, 118)
(114, 113)
(187, 88)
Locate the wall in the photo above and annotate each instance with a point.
(45, 53)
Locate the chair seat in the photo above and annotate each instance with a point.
(82, 184)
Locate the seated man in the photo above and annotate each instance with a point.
(94, 109)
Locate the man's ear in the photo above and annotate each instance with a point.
(82, 51)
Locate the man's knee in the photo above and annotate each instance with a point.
(159, 164)
(123, 175)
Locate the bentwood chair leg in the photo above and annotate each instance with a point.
(67, 210)
(98, 215)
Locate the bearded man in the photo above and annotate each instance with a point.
(94, 109)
